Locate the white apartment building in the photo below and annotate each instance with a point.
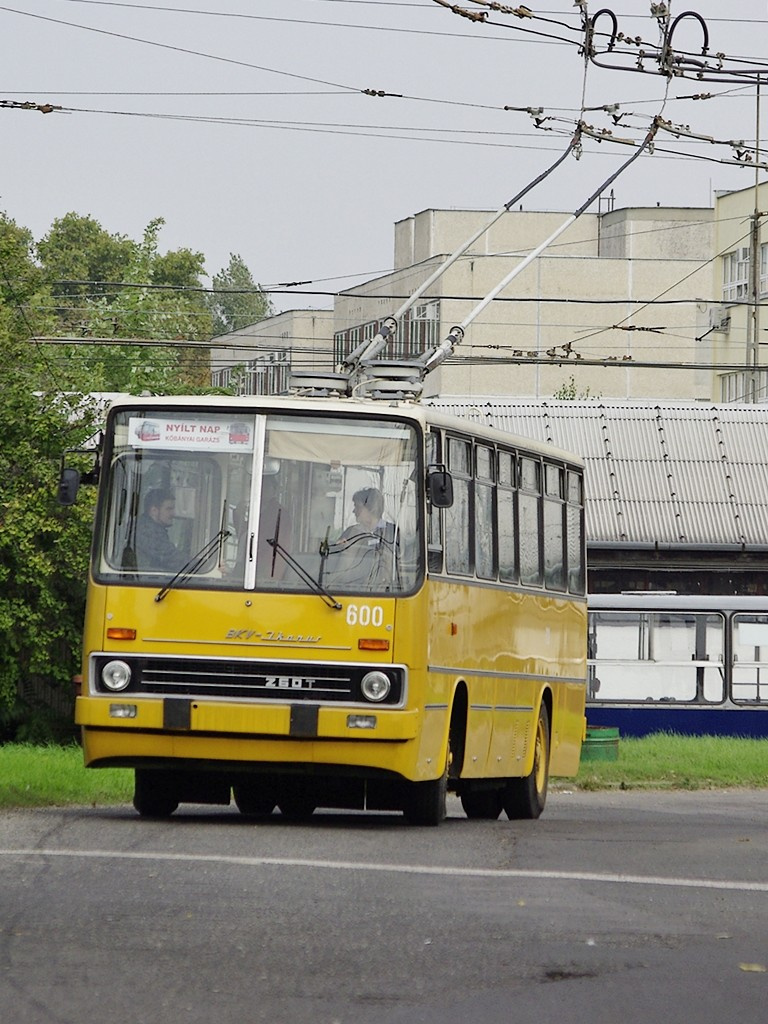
(629, 287)
(258, 359)
(739, 338)
(630, 304)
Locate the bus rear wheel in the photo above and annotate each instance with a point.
(154, 795)
(525, 798)
(297, 808)
(295, 800)
(482, 804)
(251, 802)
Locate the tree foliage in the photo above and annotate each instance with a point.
(150, 296)
(78, 281)
(43, 550)
(80, 260)
(236, 299)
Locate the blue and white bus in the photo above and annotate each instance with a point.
(665, 662)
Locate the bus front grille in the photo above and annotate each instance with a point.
(248, 679)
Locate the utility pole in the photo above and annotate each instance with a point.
(753, 316)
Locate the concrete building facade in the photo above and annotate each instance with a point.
(738, 341)
(589, 300)
(258, 359)
(628, 304)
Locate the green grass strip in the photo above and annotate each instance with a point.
(669, 761)
(52, 776)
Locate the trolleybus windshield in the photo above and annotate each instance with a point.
(276, 502)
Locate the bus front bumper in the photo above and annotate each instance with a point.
(123, 730)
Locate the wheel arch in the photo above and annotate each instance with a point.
(457, 728)
(547, 700)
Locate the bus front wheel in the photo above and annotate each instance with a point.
(424, 802)
(154, 795)
(525, 798)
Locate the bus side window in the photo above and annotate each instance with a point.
(505, 517)
(529, 515)
(458, 523)
(554, 527)
(575, 532)
(435, 515)
(485, 533)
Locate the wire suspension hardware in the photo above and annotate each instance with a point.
(618, 51)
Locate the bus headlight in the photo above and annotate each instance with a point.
(375, 686)
(116, 676)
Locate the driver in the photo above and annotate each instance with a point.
(154, 548)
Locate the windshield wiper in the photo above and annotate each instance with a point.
(315, 585)
(195, 562)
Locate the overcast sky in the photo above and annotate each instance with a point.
(244, 125)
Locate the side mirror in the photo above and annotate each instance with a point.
(69, 483)
(440, 487)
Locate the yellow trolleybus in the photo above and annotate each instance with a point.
(305, 602)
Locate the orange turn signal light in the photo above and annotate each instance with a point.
(120, 633)
(373, 644)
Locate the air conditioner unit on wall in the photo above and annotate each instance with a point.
(719, 319)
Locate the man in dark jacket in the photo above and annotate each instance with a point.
(154, 548)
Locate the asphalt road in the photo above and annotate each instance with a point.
(621, 907)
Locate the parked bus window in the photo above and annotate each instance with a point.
(660, 656)
(750, 658)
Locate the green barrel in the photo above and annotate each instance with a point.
(601, 744)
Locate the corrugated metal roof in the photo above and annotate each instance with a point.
(658, 473)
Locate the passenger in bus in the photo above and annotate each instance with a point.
(154, 548)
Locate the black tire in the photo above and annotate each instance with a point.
(296, 807)
(297, 802)
(526, 797)
(484, 804)
(252, 802)
(154, 795)
(424, 802)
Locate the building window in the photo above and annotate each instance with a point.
(744, 387)
(736, 275)
(418, 332)
(347, 341)
(266, 375)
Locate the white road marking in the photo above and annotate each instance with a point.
(402, 869)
